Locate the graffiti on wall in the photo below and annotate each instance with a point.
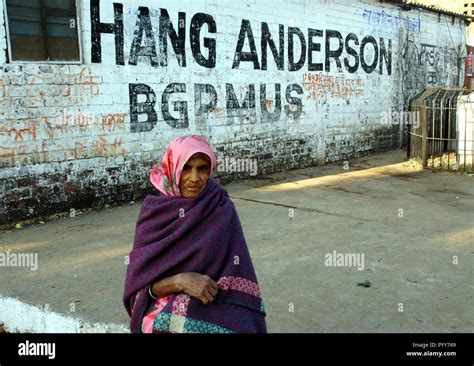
(14, 145)
(424, 65)
(289, 49)
(16, 136)
(385, 19)
(43, 140)
(332, 64)
(388, 25)
(77, 87)
(22, 92)
(103, 147)
(112, 122)
(25, 136)
(322, 87)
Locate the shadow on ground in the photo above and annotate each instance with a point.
(414, 228)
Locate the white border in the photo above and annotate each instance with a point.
(18, 317)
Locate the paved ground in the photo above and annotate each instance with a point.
(414, 283)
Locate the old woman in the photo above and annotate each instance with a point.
(190, 269)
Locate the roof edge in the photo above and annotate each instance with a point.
(409, 4)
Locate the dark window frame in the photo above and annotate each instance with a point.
(10, 59)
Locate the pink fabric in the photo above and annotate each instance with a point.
(149, 318)
(165, 175)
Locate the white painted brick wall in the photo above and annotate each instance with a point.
(34, 137)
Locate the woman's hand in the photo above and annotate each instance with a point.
(199, 286)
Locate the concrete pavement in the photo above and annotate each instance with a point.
(412, 231)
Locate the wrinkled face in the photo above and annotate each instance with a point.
(194, 177)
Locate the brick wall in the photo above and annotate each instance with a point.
(85, 135)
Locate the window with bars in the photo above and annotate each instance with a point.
(43, 30)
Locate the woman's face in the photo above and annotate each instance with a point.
(194, 177)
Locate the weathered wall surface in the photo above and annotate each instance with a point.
(290, 83)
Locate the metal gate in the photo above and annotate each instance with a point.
(441, 133)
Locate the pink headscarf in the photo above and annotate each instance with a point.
(166, 178)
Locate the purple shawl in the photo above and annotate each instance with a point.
(202, 234)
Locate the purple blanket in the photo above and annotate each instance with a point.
(204, 235)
